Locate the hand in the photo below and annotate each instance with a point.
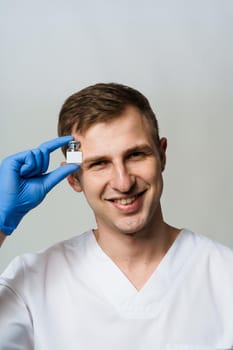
(24, 182)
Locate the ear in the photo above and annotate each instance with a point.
(162, 149)
(73, 181)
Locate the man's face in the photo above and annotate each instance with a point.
(121, 173)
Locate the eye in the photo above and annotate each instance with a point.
(98, 164)
(136, 154)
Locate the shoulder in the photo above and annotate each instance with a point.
(211, 244)
(212, 253)
(56, 257)
(215, 249)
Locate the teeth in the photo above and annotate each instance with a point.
(125, 201)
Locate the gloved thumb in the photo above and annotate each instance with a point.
(54, 177)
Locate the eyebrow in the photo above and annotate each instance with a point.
(138, 148)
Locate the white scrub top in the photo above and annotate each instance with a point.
(73, 297)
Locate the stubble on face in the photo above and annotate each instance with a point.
(122, 165)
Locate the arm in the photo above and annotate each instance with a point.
(24, 182)
(16, 328)
(2, 237)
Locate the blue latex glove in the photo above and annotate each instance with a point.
(24, 182)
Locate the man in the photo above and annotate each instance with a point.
(134, 282)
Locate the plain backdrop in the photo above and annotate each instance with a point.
(179, 53)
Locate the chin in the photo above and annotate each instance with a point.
(131, 228)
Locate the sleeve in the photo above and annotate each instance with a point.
(16, 327)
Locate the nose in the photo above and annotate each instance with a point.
(121, 179)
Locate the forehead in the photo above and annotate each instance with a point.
(127, 130)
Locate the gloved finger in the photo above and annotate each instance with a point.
(42, 161)
(52, 145)
(45, 161)
(28, 167)
(14, 161)
(33, 164)
(54, 177)
(37, 160)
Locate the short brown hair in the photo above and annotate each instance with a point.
(100, 103)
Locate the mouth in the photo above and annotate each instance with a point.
(127, 200)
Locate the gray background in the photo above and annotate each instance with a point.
(178, 53)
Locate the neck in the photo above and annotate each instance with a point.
(138, 254)
(138, 246)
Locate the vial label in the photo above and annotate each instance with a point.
(74, 157)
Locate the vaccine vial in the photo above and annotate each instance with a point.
(73, 154)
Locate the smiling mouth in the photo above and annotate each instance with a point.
(127, 200)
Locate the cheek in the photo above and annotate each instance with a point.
(92, 184)
(154, 178)
(150, 171)
(157, 175)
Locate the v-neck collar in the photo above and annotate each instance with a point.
(148, 301)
